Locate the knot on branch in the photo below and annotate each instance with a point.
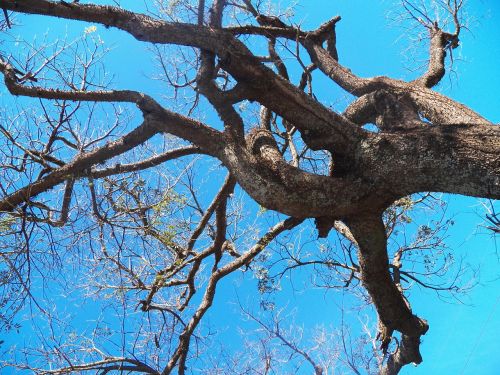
(322, 32)
(384, 335)
(144, 305)
(452, 41)
(259, 139)
(146, 104)
(389, 111)
(395, 112)
(326, 33)
(324, 225)
(271, 21)
(419, 327)
(410, 349)
(443, 39)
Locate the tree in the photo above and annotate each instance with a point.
(349, 171)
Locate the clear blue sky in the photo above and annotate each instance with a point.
(463, 338)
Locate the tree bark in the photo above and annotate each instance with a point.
(394, 312)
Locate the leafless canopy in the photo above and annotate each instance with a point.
(85, 166)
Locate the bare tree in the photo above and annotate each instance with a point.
(85, 180)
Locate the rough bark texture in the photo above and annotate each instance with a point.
(425, 141)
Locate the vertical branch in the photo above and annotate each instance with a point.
(440, 40)
(207, 73)
(226, 189)
(216, 13)
(393, 310)
(201, 12)
(68, 192)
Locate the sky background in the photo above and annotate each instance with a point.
(463, 337)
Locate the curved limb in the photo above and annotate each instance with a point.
(261, 83)
(108, 364)
(393, 309)
(440, 40)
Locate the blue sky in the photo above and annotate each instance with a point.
(463, 337)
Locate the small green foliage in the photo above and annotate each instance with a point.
(262, 210)
(168, 200)
(160, 280)
(163, 204)
(6, 224)
(90, 30)
(166, 237)
(265, 283)
(424, 231)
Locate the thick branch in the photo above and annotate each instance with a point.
(440, 41)
(393, 310)
(270, 90)
(391, 112)
(457, 159)
(407, 352)
(261, 170)
(342, 76)
(434, 106)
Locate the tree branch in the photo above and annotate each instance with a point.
(226, 189)
(105, 366)
(217, 275)
(275, 93)
(393, 310)
(147, 163)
